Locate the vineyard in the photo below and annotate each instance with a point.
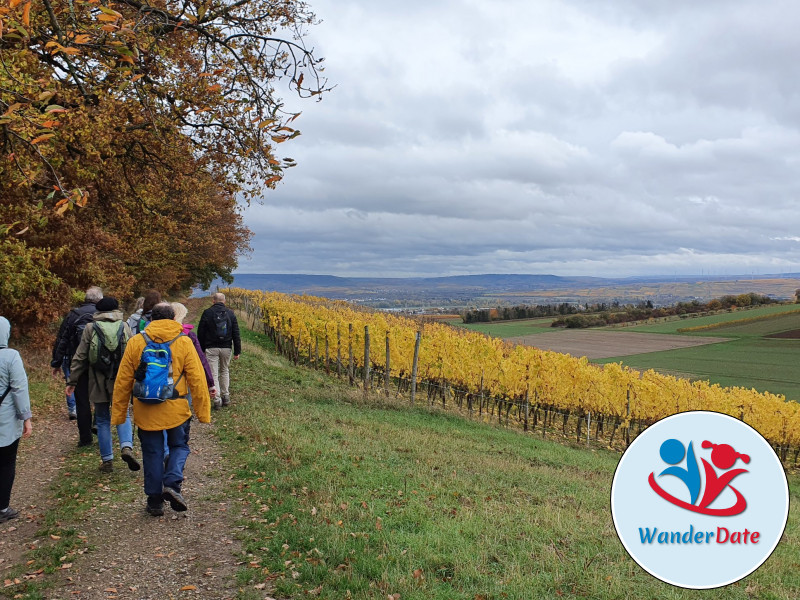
(535, 389)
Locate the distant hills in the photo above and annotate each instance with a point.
(493, 289)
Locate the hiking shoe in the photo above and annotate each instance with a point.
(107, 467)
(127, 456)
(226, 401)
(176, 501)
(7, 514)
(73, 416)
(155, 505)
(216, 404)
(84, 443)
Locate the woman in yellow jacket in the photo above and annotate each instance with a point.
(163, 481)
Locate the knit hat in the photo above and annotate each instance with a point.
(107, 304)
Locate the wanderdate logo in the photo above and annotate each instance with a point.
(699, 500)
(723, 457)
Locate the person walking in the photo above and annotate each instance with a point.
(133, 320)
(217, 331)
(164, 364)
(15, 417)
(98, 355)
(151, 298)
(67, 341)
(180, 314)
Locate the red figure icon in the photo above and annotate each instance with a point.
(724, 457)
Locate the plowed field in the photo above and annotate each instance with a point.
(604, 344)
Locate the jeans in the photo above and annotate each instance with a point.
(71, 397)
(157, 475)
(219, 359)
(166, 443)
(102, 413)
(8, 469)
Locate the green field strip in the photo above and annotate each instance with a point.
(507, 329)
(767, 365)
(673, 325)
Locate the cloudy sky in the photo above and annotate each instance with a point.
(569, 137)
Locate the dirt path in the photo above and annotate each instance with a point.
(40, 459)
(130, 554)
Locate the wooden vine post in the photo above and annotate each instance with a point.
(414, 365)
(350, 371)
(338, 352)
(366, 359)
(388, 366)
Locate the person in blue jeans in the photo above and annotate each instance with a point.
(71, 407)
(154, 417)
(101, 348)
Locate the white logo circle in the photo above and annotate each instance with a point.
(699, 500)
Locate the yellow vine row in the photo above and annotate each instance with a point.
(467, 360)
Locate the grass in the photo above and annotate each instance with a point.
(748, 360)
(673, 325)
(353, 497)
(507, 329)
(760, 363)
(57, 540)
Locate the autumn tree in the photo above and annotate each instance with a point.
(129, 130)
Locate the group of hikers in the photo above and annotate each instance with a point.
(149, 371)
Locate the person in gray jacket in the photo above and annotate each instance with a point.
(15, 417)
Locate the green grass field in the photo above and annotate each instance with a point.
(507, 329)
(353, 497)
(752, 362)
(749, 360)
(672, 325)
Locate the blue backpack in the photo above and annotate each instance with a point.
(153, 377)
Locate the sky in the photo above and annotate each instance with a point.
(568, 137)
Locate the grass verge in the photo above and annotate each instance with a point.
(353, 497)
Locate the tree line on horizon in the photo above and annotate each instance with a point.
(580, 316)
(131, 135)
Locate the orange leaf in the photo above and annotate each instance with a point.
(137, 77)
(42, 138)
(187, 588)
(215, 88)
(107, 18)
(82, 39)
(14, 3)
(48, 124)
(26, 14)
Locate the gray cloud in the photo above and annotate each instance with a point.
(577, 137)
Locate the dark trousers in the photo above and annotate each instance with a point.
(84, 410)
(8, 470)
(157, 475)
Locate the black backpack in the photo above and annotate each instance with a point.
(222, 325)
(76, 332)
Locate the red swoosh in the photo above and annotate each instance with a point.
(737, 508)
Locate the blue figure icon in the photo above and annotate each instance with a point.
(672, 452)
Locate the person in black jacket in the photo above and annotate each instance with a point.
(217, 331)
(69, 336)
